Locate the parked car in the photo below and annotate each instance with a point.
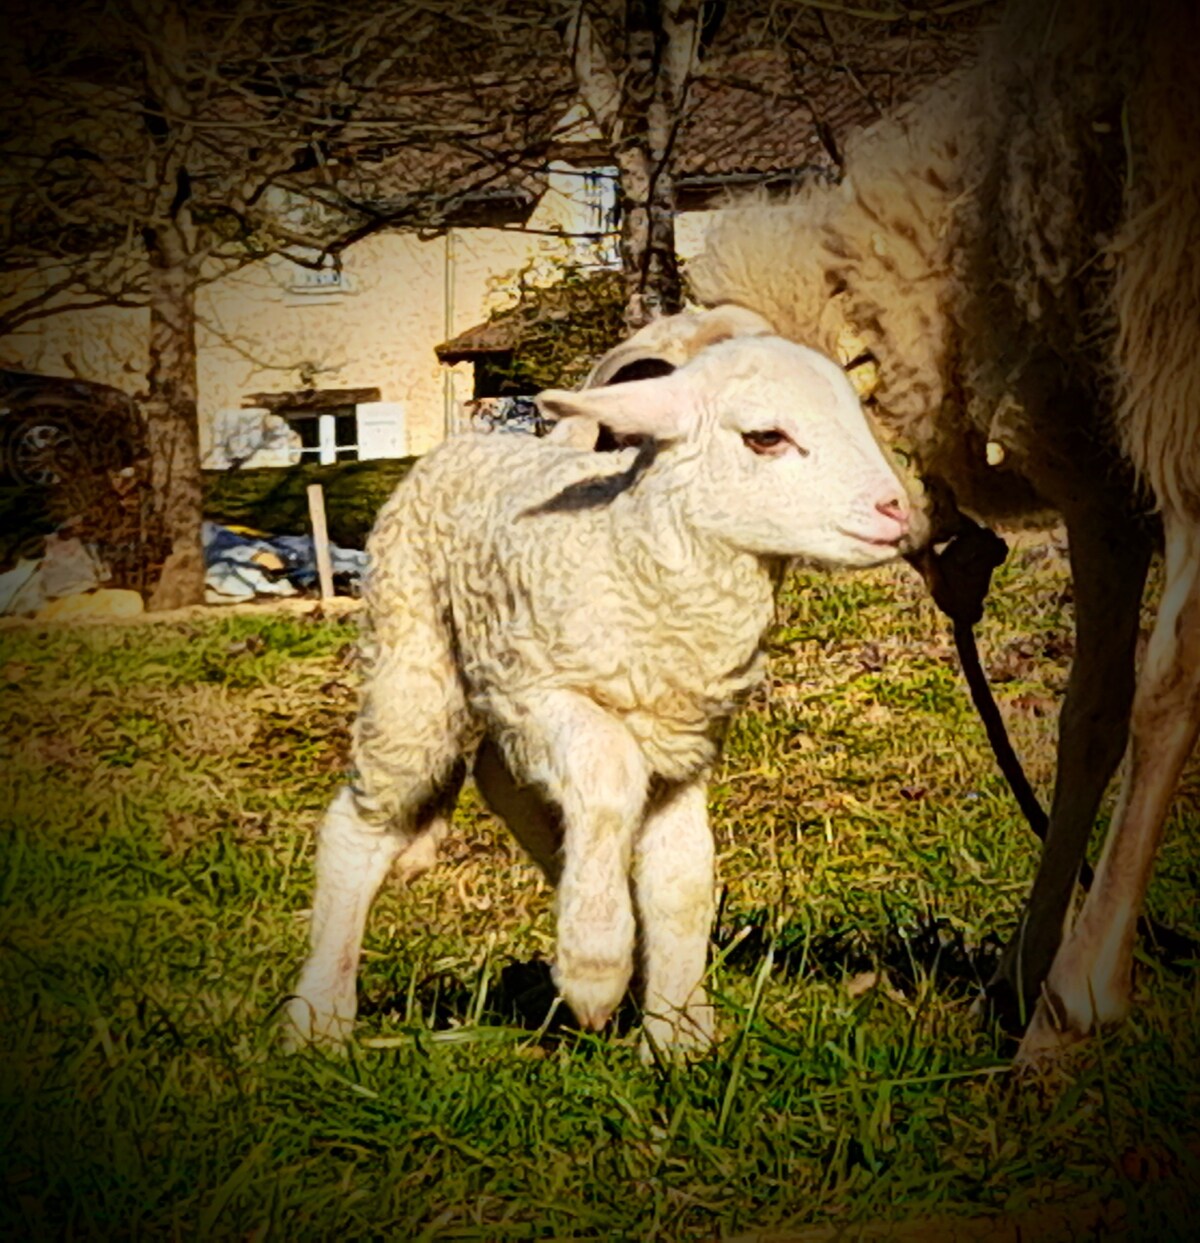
(51, 427)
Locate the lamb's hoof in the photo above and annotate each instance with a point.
(305, 1025)
(593, 990)
(680, 1037)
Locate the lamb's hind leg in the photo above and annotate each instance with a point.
(528, 816)
(1089, 983)
(407, 751)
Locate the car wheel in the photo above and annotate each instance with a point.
(40, 451)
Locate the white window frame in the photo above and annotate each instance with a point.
(327, 448)
(600, 195)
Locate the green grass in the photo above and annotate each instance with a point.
(160, 786)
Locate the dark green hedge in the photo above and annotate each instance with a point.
(276, 500)
(270, 500)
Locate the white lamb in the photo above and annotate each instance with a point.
(597, 617)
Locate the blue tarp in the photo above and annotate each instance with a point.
(242, 566)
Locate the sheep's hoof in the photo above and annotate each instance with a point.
(1001, 1003)
(1050, 1034)
(593, 990)
(306, 1025)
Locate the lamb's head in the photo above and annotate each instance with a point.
(657, 349)
(671, 340)
(775, 454)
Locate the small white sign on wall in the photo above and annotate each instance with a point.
(381, 429)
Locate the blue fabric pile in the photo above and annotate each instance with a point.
(243, 565)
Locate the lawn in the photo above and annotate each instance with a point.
(160, 787)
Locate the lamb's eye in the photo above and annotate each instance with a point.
(771, 443)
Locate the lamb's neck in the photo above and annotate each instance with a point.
(664, 544)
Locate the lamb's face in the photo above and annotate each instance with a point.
(791, 465)
(782, 461)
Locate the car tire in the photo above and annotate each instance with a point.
(40, 450)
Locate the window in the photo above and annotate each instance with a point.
(325, 435)
(600, 195)
(335, 425)
(327, 279)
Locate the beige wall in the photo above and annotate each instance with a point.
(106, 344)
(690, 228)
(261, 332)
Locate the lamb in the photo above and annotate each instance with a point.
(596, 618)
(1019, 251)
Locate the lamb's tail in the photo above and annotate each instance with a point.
(1157, 287)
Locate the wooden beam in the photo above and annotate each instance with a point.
(316, 510)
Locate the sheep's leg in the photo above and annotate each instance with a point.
(673, 883)
(591, 767)
(531, 820)
(407, 753)
(1089, 982)
(1108, 563)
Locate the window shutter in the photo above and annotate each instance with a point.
(381, 430)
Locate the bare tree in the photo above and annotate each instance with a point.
(633, 61)
(150, 146)
(629, 63)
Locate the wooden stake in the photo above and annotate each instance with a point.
(316, 511)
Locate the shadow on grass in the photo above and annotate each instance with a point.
(927, 949)
(523, 995)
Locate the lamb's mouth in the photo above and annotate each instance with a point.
(875, 542)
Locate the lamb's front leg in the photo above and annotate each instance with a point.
(588, 764)
(673, 881)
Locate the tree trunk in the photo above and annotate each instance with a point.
(653, 285)
(661, 50)
(636, 94)
(174, 553)
(172, 427)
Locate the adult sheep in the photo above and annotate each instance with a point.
(597, 617)
(1020, 252)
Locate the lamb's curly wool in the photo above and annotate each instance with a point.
(530, 602)
(595, 618)
(1020, 250)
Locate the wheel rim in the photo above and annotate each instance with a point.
(37, 453)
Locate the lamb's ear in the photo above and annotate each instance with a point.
(665, 407)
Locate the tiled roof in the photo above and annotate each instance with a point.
(506, 329)
(780, 109)
(761, 114)
(768, 112)
(494, 336)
